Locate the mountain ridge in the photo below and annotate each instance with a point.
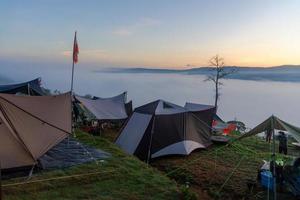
(285, 73)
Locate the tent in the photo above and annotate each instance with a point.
(30, 88)
(205, 113)
(30, 126)
(218, 123)
(161, 128)
(271, 123)
(221, 127)
(113, 108)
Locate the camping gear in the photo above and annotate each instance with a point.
(162, 128)
(239, 126)
(221, 127)
(266, 179)
(270, 125)
(219, 139)
(296, 144)
(113, 108)
(30, 126)
(32, 88)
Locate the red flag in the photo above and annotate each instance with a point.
(75, 50)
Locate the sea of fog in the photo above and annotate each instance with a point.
(248, 101)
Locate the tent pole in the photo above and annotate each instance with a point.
(273, 158)
(28, 89)
(30, 172)
(150, 145)
(0, 182)
(184, 131)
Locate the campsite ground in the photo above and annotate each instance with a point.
(119, 177)
(220, 172)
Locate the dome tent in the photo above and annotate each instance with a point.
(162, 128)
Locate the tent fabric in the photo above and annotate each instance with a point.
(197, 107)
(195, 125)
(160, 107)
(203, 115)
(30, 88)
(118, 98)
(276, 123)
(128, 107)
(133, 132)
(184, 147)
(30, 126)
(106, 108)
(163, 128)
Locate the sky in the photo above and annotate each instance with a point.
(144, 33)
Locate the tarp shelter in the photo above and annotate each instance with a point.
(161, 128)
(270, 125)
(274, 122)
(30, 126)
(30, 88)
(112, 108)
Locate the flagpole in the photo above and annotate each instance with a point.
(72, 80)
(72, 93)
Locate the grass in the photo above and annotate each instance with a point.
(219, 172)
(222, 172)
(119, 177)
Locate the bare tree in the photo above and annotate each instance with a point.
(220, 72)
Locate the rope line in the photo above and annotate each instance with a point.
(231, 174)
(55, 178)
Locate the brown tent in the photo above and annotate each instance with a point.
(30, 126)
(271, 123)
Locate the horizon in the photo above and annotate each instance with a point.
(169, 34)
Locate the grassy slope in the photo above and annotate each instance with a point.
(123, 177)
(208, 170)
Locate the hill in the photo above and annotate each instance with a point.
(286, 73)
